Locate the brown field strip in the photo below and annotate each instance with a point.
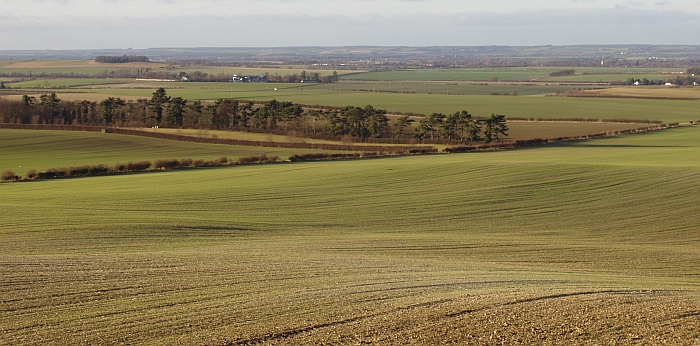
(661, 92)
(554, 129)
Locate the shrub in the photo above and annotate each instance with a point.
(422, 150)
(253, 159)
(201, 163)
(158, 164)
(166, 164)
(59, 172)
(368, 154)
(46, 175)
(264, 159)
(120, 167)
(322, 156)
(77, 171)
(8, 176)
(98, 169)
(32, 174)
(186, 163)
(138, 166)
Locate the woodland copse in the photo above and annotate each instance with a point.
(357, 123)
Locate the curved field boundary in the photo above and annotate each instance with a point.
(325, 146)
(539, 141)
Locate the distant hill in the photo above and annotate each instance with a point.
(442, 56)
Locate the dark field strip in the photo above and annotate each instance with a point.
(483, 248)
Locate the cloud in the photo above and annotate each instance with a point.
(557, 27)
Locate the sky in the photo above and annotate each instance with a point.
(113, 24)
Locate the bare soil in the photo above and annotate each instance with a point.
(600, 318)
(663, 92)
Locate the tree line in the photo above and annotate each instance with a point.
(687, 80)
(364, 124)
(111, 59)
(196, 76)
(562, 73)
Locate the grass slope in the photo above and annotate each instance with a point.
(345, 252)
(40, 150)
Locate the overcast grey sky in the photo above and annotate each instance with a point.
(86, 24)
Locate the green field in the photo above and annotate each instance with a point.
(88, 67)
(479, 105)
(390, 251)
(193, 91)
(247, 71)
(443, 88)
(69, 83)
(519, 74)
(627, 70)
(48, 71)
(605, 78)
(515, 74)
(485, 105)
(25, 149)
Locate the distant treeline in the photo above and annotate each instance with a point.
(358, 124)
(562, 73)
(303, 77)
(121, 59)
(196, 76)
(685, 80)
(145, 73)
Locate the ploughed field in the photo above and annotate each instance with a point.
(582, 242)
